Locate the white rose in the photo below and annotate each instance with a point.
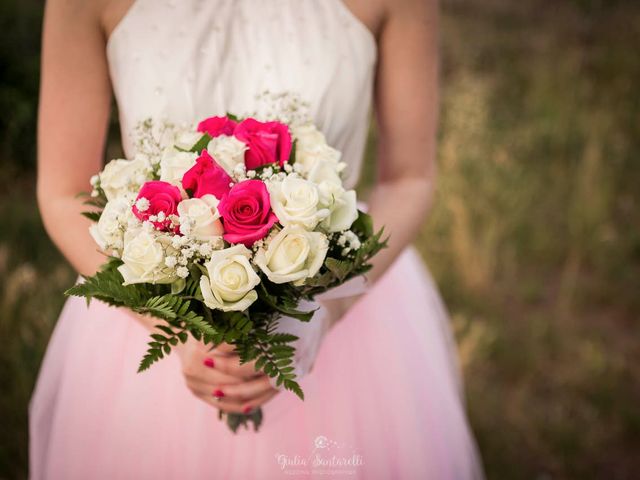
(312, 147)
(324, 171)
(343, 208)
(187, 139)
(230, 280)
(143, 256)
(109, 230)
(123, 177)
(201, 217)
(227, 151)
(296, 201)
(293, 255)
(174, 164)
(308, 135)
(306, 158)
(342, 204)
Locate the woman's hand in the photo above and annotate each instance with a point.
(217, 377)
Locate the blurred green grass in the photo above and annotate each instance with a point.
(533, 239)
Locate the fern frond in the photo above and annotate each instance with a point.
(106, 285)
(197, 322)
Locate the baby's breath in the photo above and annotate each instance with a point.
(286, 107)
(182, 272)
(142, 204)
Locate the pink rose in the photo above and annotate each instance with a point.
(216, 126)
(160, 198)
(268, 142)
(206, 177)
(246, 213)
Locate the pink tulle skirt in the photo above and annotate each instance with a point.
(383, 401)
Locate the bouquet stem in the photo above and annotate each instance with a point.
(235, 420)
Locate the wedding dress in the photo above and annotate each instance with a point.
(384, 398)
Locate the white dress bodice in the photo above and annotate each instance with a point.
(184, 60)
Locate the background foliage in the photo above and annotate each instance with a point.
(533, 240)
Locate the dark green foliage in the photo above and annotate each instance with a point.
(337, 271)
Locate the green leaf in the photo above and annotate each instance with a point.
(283, 338)
(100, 201)
(292, 155)
(197, 323)
(272, 301)
(106, 285)
(161, 307)
(112, 263)
(165, 329)
(236, 420)
(178, 286)
(281, 350)
(273, 166)
(293, 386)
(151, 357)
(363, 224)
(339, 268)
(201, 144)
(284, 362)
(260, 363)
(320, 282)
(93, 216)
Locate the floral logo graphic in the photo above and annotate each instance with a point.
(321, 442)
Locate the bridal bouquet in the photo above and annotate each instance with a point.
(220, 230)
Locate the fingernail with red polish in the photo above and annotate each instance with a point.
(247, 409)
(218, 393)
(209, 362)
